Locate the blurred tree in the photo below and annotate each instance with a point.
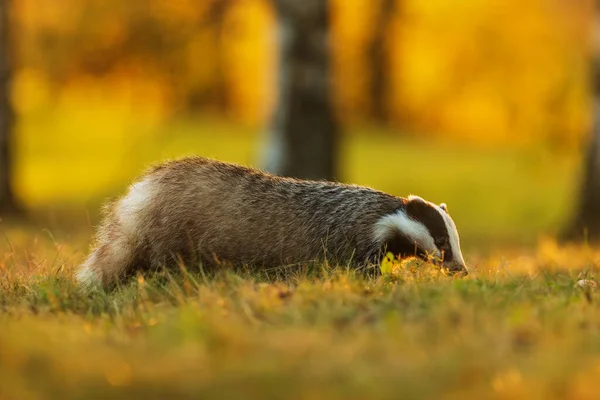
(378, 60)
(303, 139)
(587, 218)
(8, 203)
(216, 23)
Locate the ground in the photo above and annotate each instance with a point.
(518, 327)
(524, 323)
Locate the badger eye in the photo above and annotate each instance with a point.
(441, 242)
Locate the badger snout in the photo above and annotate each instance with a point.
(456, 268)
(453, 267)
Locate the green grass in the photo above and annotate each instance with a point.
(517, 327)
(496, 196)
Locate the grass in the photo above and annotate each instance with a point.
(517, 327)
(496, 195)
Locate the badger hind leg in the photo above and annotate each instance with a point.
(106, 264)
(117, 238)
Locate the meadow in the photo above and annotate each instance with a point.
(519, 326)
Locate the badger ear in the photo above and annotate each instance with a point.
(444, 207)
(416, 206)
(412, 198)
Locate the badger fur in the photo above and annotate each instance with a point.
(197, 210)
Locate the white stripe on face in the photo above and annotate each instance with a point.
(414, 230)
(453, 234)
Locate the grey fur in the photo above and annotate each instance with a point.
(200, 210)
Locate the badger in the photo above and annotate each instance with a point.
(199, 210)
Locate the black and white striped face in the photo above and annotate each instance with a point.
(423, 229)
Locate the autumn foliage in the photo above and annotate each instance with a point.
(484, 70)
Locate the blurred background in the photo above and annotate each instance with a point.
(486, 105)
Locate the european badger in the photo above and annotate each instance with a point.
(198, 210)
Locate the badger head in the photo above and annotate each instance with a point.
(422, 229)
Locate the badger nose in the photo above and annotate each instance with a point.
(458, 269)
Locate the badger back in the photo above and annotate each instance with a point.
(212, 211)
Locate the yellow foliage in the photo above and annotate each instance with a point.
(493, 70)
(250, 57)
(387, 264)
(483, 71)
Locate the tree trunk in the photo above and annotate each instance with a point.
(587, 218)
(586, 223)
(8, 203)
(216, 94)
(217, 15)
(378, 60)
(303, 139)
